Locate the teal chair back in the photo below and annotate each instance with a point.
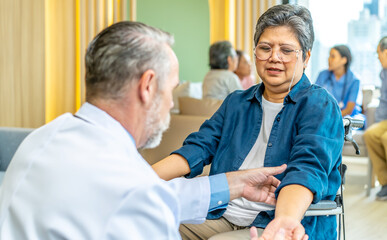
(10, 139)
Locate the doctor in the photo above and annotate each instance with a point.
(81, 176)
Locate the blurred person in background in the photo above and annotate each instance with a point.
(243, 70)
(341, 82)
(375, 136)
(221, 80)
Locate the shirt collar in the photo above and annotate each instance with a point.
(296, 92)
(94, 115)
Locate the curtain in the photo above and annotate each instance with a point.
(70, 26)
(234, 20)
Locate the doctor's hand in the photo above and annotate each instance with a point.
(283, 228)
(256, 184)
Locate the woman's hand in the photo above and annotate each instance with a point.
(282, 228)
(253, 233)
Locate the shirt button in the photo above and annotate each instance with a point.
(220, 203)
(269, 144)
(278, 119)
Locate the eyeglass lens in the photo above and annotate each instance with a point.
(285, 53)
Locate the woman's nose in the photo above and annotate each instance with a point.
(275, 56)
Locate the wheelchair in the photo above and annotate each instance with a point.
(336, 207)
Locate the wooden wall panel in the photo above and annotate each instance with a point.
(71, 26)
(22, 63)
(92, 16)
(42, 46)
(235, 20)
(60, 58)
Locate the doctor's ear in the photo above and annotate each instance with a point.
(147, 86)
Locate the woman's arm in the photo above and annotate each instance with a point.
(312, 172)
(292, 203)
(352, 93)
(171, 167)
(348, 109)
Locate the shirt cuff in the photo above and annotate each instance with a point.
(220, 193)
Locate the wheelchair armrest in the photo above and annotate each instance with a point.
(324, 208)
(323, 205)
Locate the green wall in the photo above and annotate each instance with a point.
(189, 22)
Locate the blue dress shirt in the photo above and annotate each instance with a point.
(220, 193)
(307, 135)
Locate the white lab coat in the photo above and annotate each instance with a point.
(84, 179)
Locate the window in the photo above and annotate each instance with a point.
(360, 24)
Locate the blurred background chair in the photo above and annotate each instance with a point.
(10, 139)
(369, 105)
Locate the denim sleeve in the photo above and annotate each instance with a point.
(200, 147)
(316, 146)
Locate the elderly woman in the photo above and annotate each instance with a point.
(220, 81)
(285, 119)
(340, 81)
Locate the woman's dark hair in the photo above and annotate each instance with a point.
(344, 52)
(219, 52)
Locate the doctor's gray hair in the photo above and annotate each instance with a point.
(296, 17)
(120, 54)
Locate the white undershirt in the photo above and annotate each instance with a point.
(240, 211)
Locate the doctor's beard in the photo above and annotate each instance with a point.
(155, 125)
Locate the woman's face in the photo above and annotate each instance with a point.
(335, 60)
(276, 74)
(244, 67)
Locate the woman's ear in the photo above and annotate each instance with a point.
(345, 60)
(307, 57)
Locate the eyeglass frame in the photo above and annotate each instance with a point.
(297, 51)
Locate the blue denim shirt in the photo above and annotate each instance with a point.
(307, 135)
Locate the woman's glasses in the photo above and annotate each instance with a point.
(286, 53)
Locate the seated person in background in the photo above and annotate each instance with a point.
(81, 177)
(285, 119)
(340, 81)
(220, 81)
(243, 70)
(375, 136)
